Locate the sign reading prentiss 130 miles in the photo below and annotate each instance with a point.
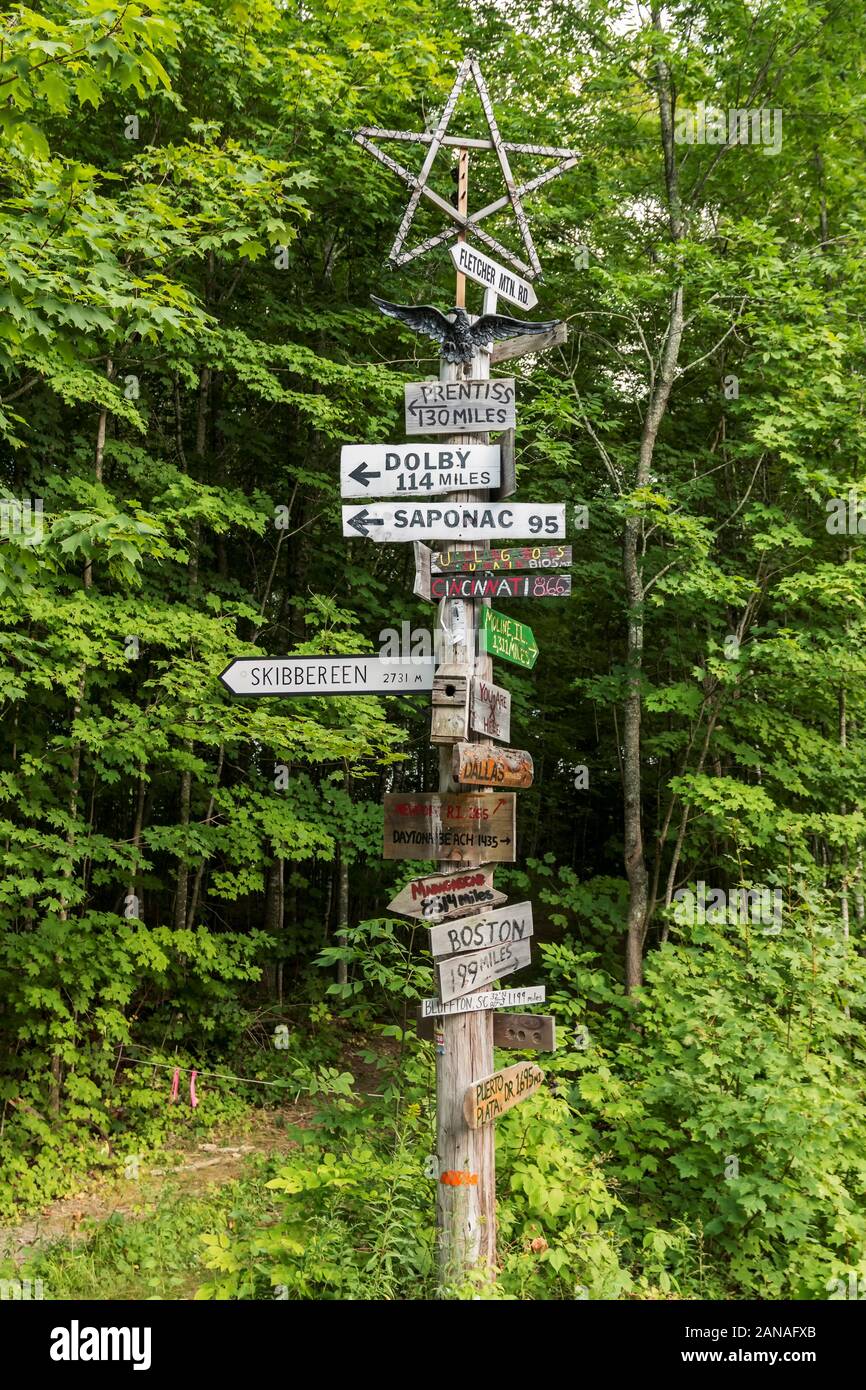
(454, 407)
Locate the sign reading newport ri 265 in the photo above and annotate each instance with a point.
(454, 521)
(386, 470)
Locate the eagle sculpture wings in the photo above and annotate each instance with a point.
(459, 337)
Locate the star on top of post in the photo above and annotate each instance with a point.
(466, 222)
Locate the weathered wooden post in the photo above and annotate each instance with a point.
(473, 946)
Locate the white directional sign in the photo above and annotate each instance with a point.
(453, 521)
(468, 260)
(458, 975)
(391, 470)
(487, 929)
(329, 675)
(483, 999)
(459, 407)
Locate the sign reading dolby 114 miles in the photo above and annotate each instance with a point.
(385, 470)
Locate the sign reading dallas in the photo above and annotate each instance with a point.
(447, 895)
(454, 407)
(329, 675)
(472, 828)
(468, 260)
(385, 470)
(466, 521)
(491, 767)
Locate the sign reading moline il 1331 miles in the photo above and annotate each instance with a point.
(506, 637)
(454, 521)
(329, 675)
(456, 407)
(472, 828)
(387, 470)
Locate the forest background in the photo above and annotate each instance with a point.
(188, 242)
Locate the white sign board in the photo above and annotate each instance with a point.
(487, 929)
(484, 999)
(329, 675)
(461, 974)
(456, 521)
(468, 260)
(392, 470)
(459, 407)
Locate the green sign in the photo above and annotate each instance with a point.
(505, 637)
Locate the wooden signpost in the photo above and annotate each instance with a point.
(443, 896)
(506, 637)
(490, 710)
(475, 828)
(488, 929)
(453, 521)
(487, 1099)
(484, 765)
(449, 407)
(395, 470)
(468, 559)
(463, 831)
(460, 974)
(329, 675)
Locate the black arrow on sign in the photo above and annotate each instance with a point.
(362, 474)
(363, 519)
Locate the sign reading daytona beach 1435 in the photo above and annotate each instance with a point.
(447, 895)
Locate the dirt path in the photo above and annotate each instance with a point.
(197, 1168)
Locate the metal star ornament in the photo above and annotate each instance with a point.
(466, 222)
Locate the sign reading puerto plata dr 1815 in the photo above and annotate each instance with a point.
(329, 675)
(455, 521)
(456, 407)
(386, 470)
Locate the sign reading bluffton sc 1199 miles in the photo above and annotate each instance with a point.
(483, 999)
(454, 521)
(471, 828)
(455, 407)
(387, 470)
(329, 675)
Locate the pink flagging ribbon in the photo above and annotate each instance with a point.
(193, 1098)
(175, 1086)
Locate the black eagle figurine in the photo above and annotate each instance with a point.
(460, 338)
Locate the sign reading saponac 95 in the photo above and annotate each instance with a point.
(454, 521)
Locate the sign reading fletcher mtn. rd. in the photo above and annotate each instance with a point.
(490, 710)
(493, 1095)
(459, 407)
(447, 895)
(484, 999)
(389, 470)
(469, 261)
(454, 521)
(497, 586)
(506, 637)
(513, 923)
(329, 675)
(484, 557)
(459, 974)
(471, 828)
(484, 765)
